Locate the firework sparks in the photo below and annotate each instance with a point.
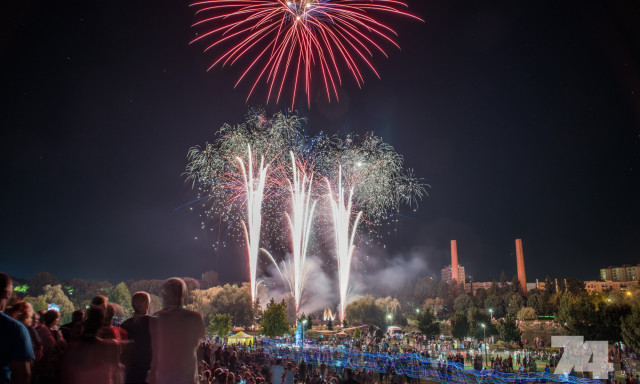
(245, 178)
(371, 181)
(254, 182)
(300, 220)
(285, 41)
(344, 234)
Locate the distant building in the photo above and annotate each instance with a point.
(473, 287)
(537, 285)
(209, 279)
(605, 274)
(620, 274)
(455, 271)
(603, 286)
(446, 274)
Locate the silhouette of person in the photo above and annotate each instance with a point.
(176, 334)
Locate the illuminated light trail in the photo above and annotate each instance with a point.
(344, 235)
(412, 364)
(285, 42)
(254, 183)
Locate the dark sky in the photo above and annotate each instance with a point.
(524, 117)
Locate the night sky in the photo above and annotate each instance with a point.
(524, 117)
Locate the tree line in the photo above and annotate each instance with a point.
(433, 307)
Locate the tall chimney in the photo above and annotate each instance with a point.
(454, 260)
(522, 278)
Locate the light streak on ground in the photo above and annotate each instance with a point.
(411, 364)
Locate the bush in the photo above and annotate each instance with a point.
(527, 313)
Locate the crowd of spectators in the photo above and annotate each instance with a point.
(91, 349)
(170, 347)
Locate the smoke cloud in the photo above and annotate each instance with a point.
(379, 274)
(373, 272)
(320, 289)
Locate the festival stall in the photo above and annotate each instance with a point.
(240, 338)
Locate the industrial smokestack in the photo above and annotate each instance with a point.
(454, 260)
(522, 278)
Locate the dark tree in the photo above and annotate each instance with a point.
(631, 327)
(611, 317)
(549, 286)
(578, 315)
(274, 319)
(120, 295)
(514, 303)
(462, 303)
(425, 288)
(478, 317)
(365, 310)
(447, 293)
(152, 287)
(508, 329)
(427, 324)
(459, 326)
(535, 301)
(236, 301)
(39, 281)
(81, 292)
(480, 297)
(220, 325)
(496, 304)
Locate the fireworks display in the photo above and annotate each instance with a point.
(254, 182)
(244, 177)
(285, 43)
(300, 221)
(344, 236)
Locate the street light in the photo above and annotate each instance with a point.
(491, 313)
(484, 331)
(303, 324)
(418, 309)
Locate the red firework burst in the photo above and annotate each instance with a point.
(285, 41)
